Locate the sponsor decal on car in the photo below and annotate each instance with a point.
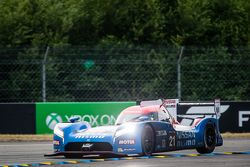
(185, 139)
(56, 142)
(170, 103)
(128, 141)
(87, 145)
(89, 137)
(120, 150)
(129, 149)
(184, 143)
(161, 133)
(185, 135)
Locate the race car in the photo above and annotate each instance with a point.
(144, 129)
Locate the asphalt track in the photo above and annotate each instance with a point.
(31, 154)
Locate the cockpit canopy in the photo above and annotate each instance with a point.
(140, 113)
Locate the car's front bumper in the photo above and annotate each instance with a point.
(83, 153)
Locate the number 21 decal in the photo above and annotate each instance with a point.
(171, 141)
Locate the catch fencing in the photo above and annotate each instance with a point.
(78, 74)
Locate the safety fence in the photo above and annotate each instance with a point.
(81, 74)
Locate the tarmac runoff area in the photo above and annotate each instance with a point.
(234, 152)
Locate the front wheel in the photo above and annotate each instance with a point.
(147, 140)
(209, 140)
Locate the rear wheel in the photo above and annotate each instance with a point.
(209, 140)
(147, 140)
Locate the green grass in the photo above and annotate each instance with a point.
(235, 135)
(18, 137)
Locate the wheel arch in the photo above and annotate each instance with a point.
(154, 135)
(208, 138)
(200, 130)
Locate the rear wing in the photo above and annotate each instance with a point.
(215, 104)
(151, 102)
(172, 106)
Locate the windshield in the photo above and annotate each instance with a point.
(131, 117)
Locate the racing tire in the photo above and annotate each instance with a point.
(71, 156)
(147, 140)
(209, 138)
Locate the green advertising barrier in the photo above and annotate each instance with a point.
(96, 113)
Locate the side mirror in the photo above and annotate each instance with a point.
(167, 117)
(74, 119)
(144, 118)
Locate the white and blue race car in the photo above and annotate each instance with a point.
(144, 129)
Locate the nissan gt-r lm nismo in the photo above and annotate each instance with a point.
(143, 129)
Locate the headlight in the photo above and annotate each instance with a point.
(58, 132)
(127, 130)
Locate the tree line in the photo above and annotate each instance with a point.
(105, 50)
(154, 22)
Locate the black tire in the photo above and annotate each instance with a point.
(71, 156)
(147, 140)
(209, 140)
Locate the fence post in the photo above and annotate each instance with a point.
(44, 74)
(179, 73)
